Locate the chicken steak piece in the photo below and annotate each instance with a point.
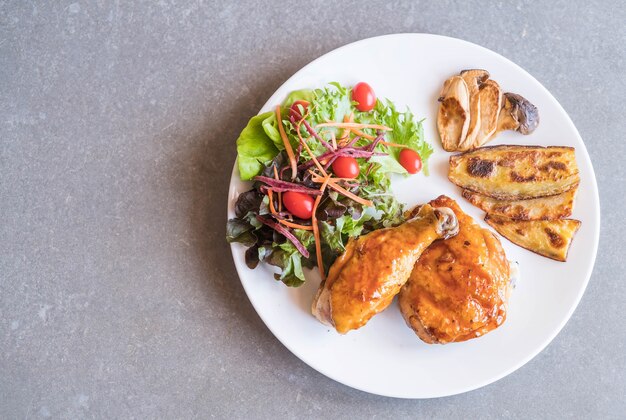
(459, 287)
(364, 280)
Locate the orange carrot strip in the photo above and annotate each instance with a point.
(270, 194)
(346, 131)
(308, 149)
(283, 136)
(350, 195)
(306, 146)
(362, 134)
(353, 125)
(332, 182)
(386, 143)
(294, 225)
(316, 230)
(334, 140)
(319, 179)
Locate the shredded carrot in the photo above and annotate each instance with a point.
(294, 225)
(319, 179)
(350, 195)
(306, 146)
(332, 182)
(308, 149)
(270, 194)
(334, 140)
(283, 136)
(346, 132)
(362, 134)
(316, 230)
(386, 143)
(353, 125)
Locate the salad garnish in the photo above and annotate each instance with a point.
(320, 166)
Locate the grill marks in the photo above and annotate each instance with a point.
(480, 168)
(555, 239)
(526, 191)
(515, 172)
(550, 238)
(515, 177)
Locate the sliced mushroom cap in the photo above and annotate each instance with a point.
(490, 98)
(454, 114)
(479, 75)
(473, 78)
(525, 112)
(507, 120)
(474, 110)
(518, 114)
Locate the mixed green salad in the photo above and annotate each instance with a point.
(319, 163)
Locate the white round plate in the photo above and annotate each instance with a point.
(385, 357)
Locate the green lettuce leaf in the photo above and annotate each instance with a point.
(299, 95)
(405, 130)
(238, 230)
(270, 126)
(254, 147)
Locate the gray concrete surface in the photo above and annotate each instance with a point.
(118, 297)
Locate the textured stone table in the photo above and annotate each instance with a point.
(118, 296)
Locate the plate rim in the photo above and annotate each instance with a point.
(596, 223)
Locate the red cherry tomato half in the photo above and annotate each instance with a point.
(299, 204)
(410, 160)
(294, 111)
(364, 95)
(346, 167)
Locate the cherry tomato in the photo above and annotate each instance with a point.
(410, 160)
(346, 167)
(364, 95)
(299, 204)
(294, 111)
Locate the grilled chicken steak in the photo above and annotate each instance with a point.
(363, 281)
(459, 288)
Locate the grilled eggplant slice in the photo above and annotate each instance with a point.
(544, 208)
(550, 238)
(515, 172)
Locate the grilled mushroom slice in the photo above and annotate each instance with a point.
(490, 97)
(474, 79)
(526, 113)
(518, 114)
(454, 114)
(474, 110)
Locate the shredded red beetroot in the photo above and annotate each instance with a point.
(317, 136)
(379, 137)
(286, 233)
(353, 141)
(330, 162)
(284, 186)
